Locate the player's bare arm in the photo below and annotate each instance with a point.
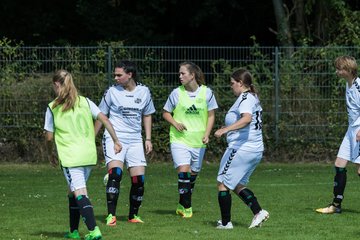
(241, 123)
(105, 121)
(209, 127)
(51, 152)
(168, 117)
(147, 121)
(97, 126)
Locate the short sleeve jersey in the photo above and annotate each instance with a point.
(173, 99)
(49, 120)
(125, 110)
(353, 103)
(250, 137)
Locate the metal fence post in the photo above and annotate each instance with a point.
(277, 96)
(109, 67)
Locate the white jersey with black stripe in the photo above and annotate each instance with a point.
(248, 138)
(353, 103)
(125, 110)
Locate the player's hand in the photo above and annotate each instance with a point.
(205, 140)
(180, 127)
(358, 136)
(117, 147)
(220, 132)
(148, 147)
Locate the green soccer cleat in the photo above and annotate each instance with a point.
(184, 212)
(110, 220)
(73, 235)
(94, 234)
(180, 210)
(136, 219)
(187, 213)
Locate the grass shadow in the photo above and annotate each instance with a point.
(163, 212)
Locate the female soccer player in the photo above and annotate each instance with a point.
(243, 129)
(128, 105)
(190, 109)
(69, 120)
(346, 67)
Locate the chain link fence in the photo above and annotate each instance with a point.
(302, 98)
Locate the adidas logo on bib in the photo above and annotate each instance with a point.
(192, 110)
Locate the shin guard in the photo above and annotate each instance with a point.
(136, 194)
(224, 199)
(184, 188)
(250, 200)
(339, 185)
(113, 189)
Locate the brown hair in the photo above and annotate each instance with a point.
(129, 67)
(347, 63)
(244, 76)
(67, 94)
(196, 70)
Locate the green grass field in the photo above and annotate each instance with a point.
(33, 204)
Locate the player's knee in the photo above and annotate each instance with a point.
(115, 174)
(138, 180)
(137, 187)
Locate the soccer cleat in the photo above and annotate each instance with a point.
(184, 212)
(329, 209)
(229, 225)
(187, 213)
(136, 219)
(110, 220)
(94, 234)
(73, 235)
(259, 218)
(180, 209)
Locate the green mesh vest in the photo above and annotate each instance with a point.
(74, 135)
(193, 113)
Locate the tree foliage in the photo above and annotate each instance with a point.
(318, 22)
(185, 22)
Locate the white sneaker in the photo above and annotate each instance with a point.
(259, 218)
(229, 225)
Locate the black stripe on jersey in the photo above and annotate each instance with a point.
(139, 84)
(228, 162)
(244, 97)
(148, 103)
(104, 146)
(212, 94)
(357, 86)
(171, 102)
(106, 91)
(68, 175)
